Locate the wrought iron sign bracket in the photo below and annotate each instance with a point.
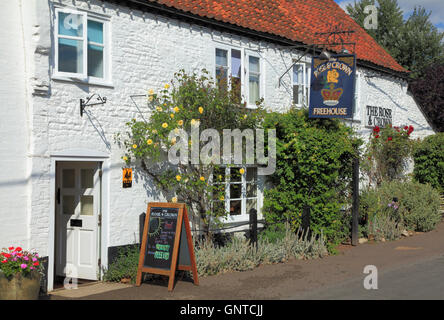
(84, 104)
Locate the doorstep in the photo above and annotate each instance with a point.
(86, 290)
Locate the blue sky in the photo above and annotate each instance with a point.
(407, 6)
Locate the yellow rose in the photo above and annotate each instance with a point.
(125, 158)
(159, 109)
(166, 86)
(174, 199)
(164, 125)
(222, 198)
(241, 170)
(150, 92)
(180, 122)
(172, 115)
(149, 141)
(202, 179)
(176, 109)
(134, 146)
(178, 178)
(201, 110)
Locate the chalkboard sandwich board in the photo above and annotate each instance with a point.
(167, 244)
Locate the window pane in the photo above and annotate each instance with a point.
(296, 94)
(70, 24)
(298, 74)
(95, 31)
(68, 178)
(69, 204)
(251, 174)
(235, 175)
(95, 61)
(86, 205)
(70, 55)
(251, 190)
(235, 191)
(254, 64)
(235, 207)
(221, 58)
(221, 78)
(254, 89)
(87, 178)
(236, 63)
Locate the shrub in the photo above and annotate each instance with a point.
(383, 227)
(429, 161)
(314, 168)
(417, 207)
(125, 266)
(239, 255)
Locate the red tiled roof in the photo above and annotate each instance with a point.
(296, 20)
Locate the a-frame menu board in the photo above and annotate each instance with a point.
(167, 244)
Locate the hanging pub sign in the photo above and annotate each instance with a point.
(378, 116)
(167, 244)
(332, 87)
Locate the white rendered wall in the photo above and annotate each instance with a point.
(14, 130)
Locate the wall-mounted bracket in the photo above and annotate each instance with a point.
(84, 104)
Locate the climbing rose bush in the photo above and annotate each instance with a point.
(15, 260)
(387, 154)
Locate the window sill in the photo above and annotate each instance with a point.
(92, 82)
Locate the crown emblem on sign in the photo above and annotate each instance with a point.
(331, 96)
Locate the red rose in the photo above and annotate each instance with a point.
(4, 261)
(389, 139)
(410, 129)
(406, 128)
(376, 129)
(377, 136)
(18, 249)
(35, 263)
(11, 248)
(6, 255)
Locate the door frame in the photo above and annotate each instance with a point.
(73, 156)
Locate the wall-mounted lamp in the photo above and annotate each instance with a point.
(84, 104)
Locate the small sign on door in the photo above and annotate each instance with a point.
(127, 177)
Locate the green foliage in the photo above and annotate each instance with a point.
(417, 207)
(415, 43)
(190, 100)
(125, 266)
(387, 153)
(240, 255)
(382, 227)
(429, 161)
(314, 168)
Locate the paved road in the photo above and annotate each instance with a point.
(422, 280)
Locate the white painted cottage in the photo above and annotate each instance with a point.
(60, 169)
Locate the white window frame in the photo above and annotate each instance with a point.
(244, 216)
(229, 71)
(304, 97)
(245, 53)
(83, 77)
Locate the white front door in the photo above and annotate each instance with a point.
(77, 213)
